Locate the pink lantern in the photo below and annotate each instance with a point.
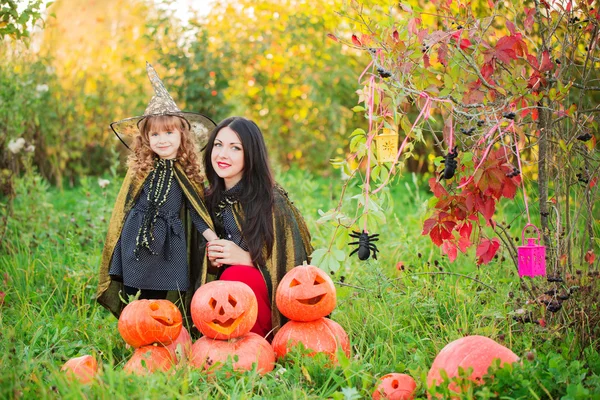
(532, 256)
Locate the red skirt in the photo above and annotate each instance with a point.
(252, 277)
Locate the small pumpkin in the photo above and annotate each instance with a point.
(395, 386)
(224, 309)
(144, 322)
(477, 352)
(83, 368)
(322, 336)
(306, 293)
(148, 359)
(181, 348)
(250, 349)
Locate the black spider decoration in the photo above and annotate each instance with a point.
(365, 244)
(450, 163)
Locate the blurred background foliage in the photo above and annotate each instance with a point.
(83, 67)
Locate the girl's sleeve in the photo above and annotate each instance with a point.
(199, 223)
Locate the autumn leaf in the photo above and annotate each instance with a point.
(486, 250)
(450, 249)
(332, 37)
(437, 189)
(590, 257)
(528, 23)
(464, 44)
(355, 41)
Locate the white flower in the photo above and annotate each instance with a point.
(16, 145)
(103, 183)
(30, 148)
(42, 88)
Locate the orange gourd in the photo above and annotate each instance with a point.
(395, 386)
(322, 336)
(83, 368)
(181, 347)
(477, 352)
(224, 309)
(144, 322)
(306, 293)
(148, 359)
(250, 349)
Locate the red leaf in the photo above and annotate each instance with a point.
(593, 182)
(356, 41)
(332, 37)
(464, 44)
(547, 63)
(450, 249)
(396, 36)
(413, 25)
(464, 244)
(437, 188)
(426, 61)
(528, 23)
(428, 225)
(436, 236)
(590, 257)
(465, 230)
(511, 28)
(487, 250)
(443, 54)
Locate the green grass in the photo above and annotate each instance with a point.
(397, 320)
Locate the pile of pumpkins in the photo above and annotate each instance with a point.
(225, 312)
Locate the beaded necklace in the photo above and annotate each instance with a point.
(159, 186)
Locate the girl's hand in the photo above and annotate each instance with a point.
(224, 251)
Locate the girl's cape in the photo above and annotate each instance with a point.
(110, 291)
(291, 245)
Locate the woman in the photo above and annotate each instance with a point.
(262, 233)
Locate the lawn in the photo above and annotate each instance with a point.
(399, 310)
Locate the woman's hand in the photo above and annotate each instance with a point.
(223, 251)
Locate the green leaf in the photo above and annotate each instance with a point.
(358, 109)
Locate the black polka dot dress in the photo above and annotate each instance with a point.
(232, 232)
(165, 265)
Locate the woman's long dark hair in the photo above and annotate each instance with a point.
(256, 198)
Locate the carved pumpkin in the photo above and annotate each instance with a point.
(305, 293)
(83, 368)
(395, 386)
(224, 309)
(250, 349)
(148, 359)
(475, 351)
(144, 322)
(181, 348)
(322, 336)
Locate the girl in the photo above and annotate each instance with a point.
(264, 235)
(161, 196)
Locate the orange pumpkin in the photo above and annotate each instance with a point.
(83, 368)
(395, 386)
(305, 293)
(181, 347)
(148, 359)
(475, 351)
(224, 309)
(144, 322)
(321, 336)
(250, 349)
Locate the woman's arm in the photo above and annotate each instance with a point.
(225, 251)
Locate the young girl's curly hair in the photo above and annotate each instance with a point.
(141, 160)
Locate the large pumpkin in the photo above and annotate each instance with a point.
(477, 352)
(148, 359)
(83, 368)
(395, 386)
(181, 347)
(224, 309)
(305, 293)
(144, 322)
(321, 336)
(250, 349)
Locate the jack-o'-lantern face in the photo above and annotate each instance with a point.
(305, 293)
(224, 309)
(144, 322)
